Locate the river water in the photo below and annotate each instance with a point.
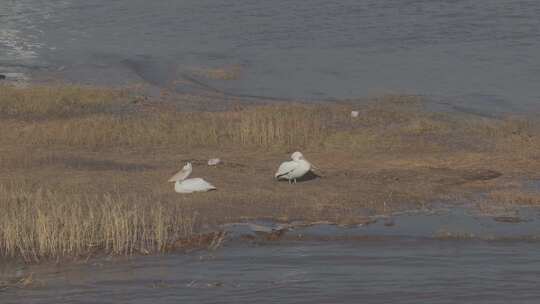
(399, 271)
(443, 257)
(468, 54)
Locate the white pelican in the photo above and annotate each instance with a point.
(291, 170)
(183, 185)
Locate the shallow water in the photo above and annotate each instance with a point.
(405, 263)
(402, 271)
(466, 55)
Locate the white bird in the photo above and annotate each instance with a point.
(183, 185)
(355, 114)
(193, 185)
(291, 170)
(214, 161)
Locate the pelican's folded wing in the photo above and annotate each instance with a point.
(286, 168)
(193, 185)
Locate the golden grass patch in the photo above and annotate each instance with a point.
(38, 222)
(57, 101)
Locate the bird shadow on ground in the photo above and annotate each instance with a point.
(308, 177)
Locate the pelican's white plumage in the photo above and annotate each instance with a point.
(291, 170)
(183, 185)
(193, 185)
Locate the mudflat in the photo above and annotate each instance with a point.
(85, 169)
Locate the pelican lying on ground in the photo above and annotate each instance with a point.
(183, 185)
(291, 170)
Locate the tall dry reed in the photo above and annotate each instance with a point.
(39, 223)
(264, 127)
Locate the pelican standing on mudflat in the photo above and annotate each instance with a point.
(183, 185)
(291, 170)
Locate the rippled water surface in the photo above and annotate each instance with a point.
(448, 257)
(474, 53)
(401, 271)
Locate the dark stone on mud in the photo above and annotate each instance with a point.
(275, 235)
(481, 174)
(2, 77)
(389, 222)
(508, 219)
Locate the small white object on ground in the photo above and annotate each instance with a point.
(355, 113)
(291, 170)
(183, 185)
(214, 161)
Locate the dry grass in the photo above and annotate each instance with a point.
(56, 101)
(265, 127)
(84, 168)
(93, 118)
(518, 194)
(39, 223)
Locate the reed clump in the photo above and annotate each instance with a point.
(263, 127)
(42, 223)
